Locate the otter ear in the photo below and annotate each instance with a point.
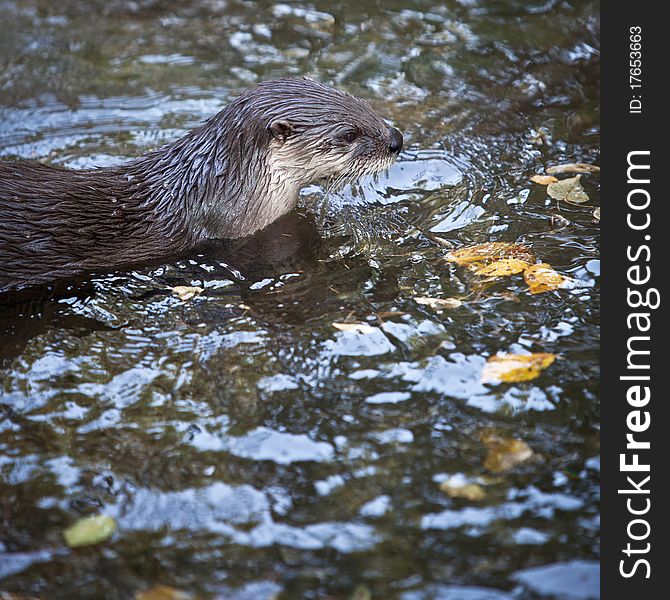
(281, 130)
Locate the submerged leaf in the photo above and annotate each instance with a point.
(504, 453)
(501, 268)
(355, 327)
(438, 303)
(89, 530)
(596, 214)
(186, 292)
(513, 368)
(468, 491)
(543, 179)
(573, 168)
(570, 190)
(542, 278)
(559, 221)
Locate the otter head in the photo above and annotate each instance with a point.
(317, 132)
(280, 136)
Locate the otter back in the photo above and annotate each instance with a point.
(56, 223)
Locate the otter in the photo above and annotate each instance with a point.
(237, 173)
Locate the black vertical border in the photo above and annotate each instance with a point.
(621, 133)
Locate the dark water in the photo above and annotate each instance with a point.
(238, 438)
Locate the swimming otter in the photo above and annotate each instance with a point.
(238, 172)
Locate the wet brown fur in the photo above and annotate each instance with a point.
(238, 172)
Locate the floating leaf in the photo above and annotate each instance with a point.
(438, 303)
(542, 278)
(490, 252)
(573, 168)
(596, 214)
(163, 592)
(543, 179)
(513, 368)
(89, 530)
(501, 268)
(569, 190)
(355, 327)
(504, 453)
(468, 491)
(186, 292)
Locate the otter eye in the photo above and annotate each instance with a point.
(349, 136)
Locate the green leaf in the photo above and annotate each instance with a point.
(89, 531)
(570, 190)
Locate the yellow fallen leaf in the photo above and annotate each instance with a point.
(513, 368)
(438, 303)
(89, 530)
(501, 268)
(573, 168)
(361, 592)
(596, 214)
(490, 252)
(186, 292)
(355, 327)
(504, 453)
(468, 491)
(542, 278)
(163, 592)
(543, 179)
(570, 190)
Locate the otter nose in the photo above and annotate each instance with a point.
(395, 145)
